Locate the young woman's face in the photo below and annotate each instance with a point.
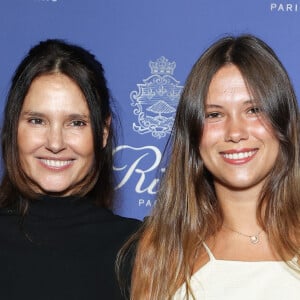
(238, 146)
(55, 139)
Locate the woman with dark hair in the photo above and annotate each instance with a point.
(227, 220)
(58, 237)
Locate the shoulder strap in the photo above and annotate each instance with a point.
(210, 254)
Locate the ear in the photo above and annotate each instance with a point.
(106, 131)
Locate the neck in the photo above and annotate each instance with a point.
(239, 208)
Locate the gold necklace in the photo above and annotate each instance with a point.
(254, 239)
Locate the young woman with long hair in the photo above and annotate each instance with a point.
(227, 219)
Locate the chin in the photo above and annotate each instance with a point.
(241, 186)
(63, 191)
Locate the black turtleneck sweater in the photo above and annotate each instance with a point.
(64, 249)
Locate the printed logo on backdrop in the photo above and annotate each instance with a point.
(138, 169)
(282, 7)
(156, 100)
(140, 172)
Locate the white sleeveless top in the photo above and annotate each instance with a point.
(241, 280)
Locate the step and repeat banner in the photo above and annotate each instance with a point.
(147, 49)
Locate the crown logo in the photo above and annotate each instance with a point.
(162, 66)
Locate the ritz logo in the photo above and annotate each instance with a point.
(284, 7)
(141, 168)
(156, 100)
(141, 172)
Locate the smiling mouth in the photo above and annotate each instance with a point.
(56, 163)
(239, 155)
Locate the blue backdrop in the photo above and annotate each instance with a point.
(147, 49)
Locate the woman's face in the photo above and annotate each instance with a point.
(55, 139)
(238, 146)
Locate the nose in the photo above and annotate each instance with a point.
(236, 130)
(55, 139)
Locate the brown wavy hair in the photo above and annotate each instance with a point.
(187, 211)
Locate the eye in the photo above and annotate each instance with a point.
(213, 116)
(36, 121)
(78, 123)
(254, 110)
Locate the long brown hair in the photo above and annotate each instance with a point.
(187, 211)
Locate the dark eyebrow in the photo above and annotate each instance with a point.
(32, 114)
(251, 101)
(212, 106)
(78, 116)
(42, 115)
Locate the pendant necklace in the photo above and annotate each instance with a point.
(254, 239)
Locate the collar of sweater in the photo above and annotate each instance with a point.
(61, 207)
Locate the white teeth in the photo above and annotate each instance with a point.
(239, 155)
(56, 163)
